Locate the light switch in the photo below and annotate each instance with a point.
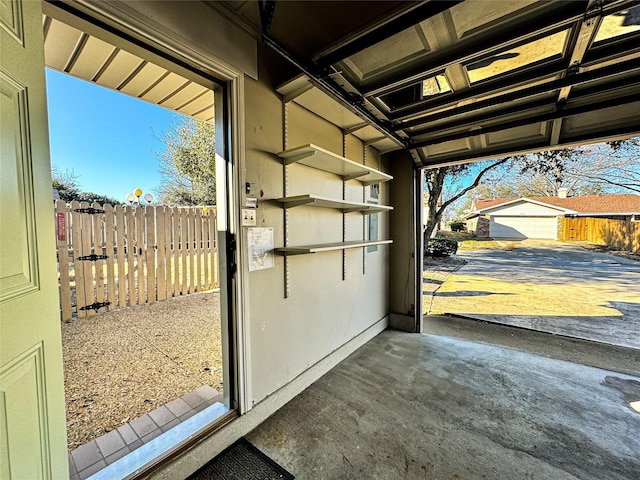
(248, 217)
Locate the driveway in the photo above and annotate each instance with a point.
(547, 286)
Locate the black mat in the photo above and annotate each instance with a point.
(241, 461)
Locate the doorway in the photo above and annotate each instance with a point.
(145, 306)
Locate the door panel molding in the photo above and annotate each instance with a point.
(11, 19)
(19, 265)
(23, 416)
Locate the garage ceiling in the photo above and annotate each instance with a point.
(458, 81)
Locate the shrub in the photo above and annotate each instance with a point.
(441, 247)
(457, 226)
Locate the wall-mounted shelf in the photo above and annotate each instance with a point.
(328, 247)
(344, 206)
(321, 159)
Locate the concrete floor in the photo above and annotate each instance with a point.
(437, 407)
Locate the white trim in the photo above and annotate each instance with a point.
(243, 343)
(486, 210)
(202, 453)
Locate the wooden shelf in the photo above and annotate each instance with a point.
(321, 159)
(344, 206)
(327, 247)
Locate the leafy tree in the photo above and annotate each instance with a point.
(466, 177)
(187, 163)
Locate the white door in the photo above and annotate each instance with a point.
(32, 417)
(524, 227)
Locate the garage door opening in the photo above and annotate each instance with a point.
(567, 263)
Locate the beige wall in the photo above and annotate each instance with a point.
(323, 312)
(402, 228)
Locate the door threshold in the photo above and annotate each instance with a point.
(153, 455)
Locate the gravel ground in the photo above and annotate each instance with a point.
(120, 365)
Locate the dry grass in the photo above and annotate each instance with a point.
(120, 365)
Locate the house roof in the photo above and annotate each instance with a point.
(587, 204)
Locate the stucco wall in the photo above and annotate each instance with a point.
(323, 312)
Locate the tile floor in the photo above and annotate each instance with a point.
(91, 457)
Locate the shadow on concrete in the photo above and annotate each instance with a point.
(472, 293)
(622, 330)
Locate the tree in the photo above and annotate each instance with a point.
(594, 169)
(469, 177)
(66, 183)
(612, 167)
(187, 163)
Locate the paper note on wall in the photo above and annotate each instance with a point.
(260, 242)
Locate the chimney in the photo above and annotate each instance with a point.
(562, 192)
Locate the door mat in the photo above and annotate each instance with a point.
(241, 461)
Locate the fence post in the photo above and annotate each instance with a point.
(97, 266)
(120, 256)
(62, 243)
(109, 244)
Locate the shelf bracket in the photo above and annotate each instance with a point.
(298, 203)
(297, 158)
(353, 176)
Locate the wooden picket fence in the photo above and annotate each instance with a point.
(621, 234)
(116, 257)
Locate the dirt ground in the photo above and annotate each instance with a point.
(120, 365)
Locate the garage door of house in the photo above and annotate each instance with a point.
(524, 227)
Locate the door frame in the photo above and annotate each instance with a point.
(134, 34)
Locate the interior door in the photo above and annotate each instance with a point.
(32, 417)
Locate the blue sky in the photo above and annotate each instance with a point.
(105, 137)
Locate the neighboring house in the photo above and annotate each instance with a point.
(541, 217)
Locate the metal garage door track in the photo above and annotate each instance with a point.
(548, 286)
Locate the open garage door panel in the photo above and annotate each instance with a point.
(459, 81)
(523, 227)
